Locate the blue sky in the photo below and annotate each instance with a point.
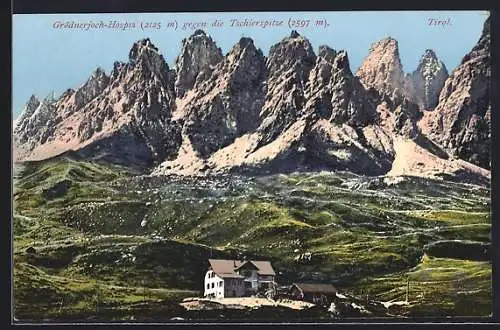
(47, 59)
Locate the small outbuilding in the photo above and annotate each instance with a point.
(316, 293)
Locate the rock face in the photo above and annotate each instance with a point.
(227, 104)
(198, 57)
(340, 111)
(428, 80)
(244, 112)
(335, 94)
(288, 65)
(406, 116)
(461, 120)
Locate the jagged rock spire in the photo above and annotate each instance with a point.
(198, 57)
(382, 69)
(428, 80)
(92, 87)
(288, 64)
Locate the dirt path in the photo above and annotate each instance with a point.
(247, 302)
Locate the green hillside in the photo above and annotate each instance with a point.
(78, 225)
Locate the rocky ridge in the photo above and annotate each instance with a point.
(292, 110)
(123, 117)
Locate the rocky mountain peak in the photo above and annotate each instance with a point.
(98, 73)
(32, 104)
(145, 57)
(30, 108)
(341, 62)
(327, 53)
(92, 87)
(387, 49)
(198, 57)
(141, 49)
(294, 52)
(429, 54)
(199, 32)
(387, 43)
(288, 65)
(243, 43)
(247, 60)
(294, 34)
(37, 120)
(335, 64)
(428, 80)
(382, 69)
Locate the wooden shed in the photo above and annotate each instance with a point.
(316, 293)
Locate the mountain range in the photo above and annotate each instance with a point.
(293, 110)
